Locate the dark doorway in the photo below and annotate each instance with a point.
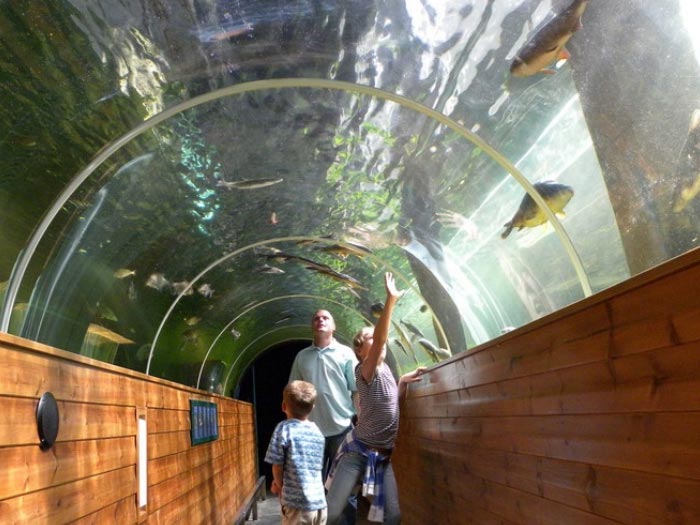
(262, 385)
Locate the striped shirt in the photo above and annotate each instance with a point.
(298, 446)
(378, 423)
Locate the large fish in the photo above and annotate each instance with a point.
(347, 248)
(106, 334)
(688, 167)
(412, 328)
(547, 44)
(157, 281)
(248, 184)
(286, 257)
(338, 276)
(401, 347)
(435, 353)
(529, 214)
(376, 309)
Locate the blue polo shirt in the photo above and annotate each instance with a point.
(332, 371)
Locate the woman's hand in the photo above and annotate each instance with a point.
(390, 285)
(412, 377)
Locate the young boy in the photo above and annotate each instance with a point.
(296, 455)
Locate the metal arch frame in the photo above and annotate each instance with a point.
(228, 256)
(228, 376)
(26, 255)
(243, 350)
(267, 301)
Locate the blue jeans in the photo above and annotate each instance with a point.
(331, 447)
(349, 474)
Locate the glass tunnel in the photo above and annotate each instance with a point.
(185, 183)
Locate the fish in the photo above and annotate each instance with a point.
(435, 353)
(182, 287)
(311, 264)
(265, 250)
(273, 219)
(402, 334)
(412, 328)
(122, 273)
(377, 309)
(191, 321)
(338, 276)
(248, 184)
(279, 257)
(191, 336)
(213, 35)
(108, 335)
(345, 249)
(547, 44)
(266, 268)
(529, 214)
(105, 312)
(235, 333)
(688, 166)
(205, 290)
(402, 347)
(352, 292)
(305, 242)
(283, 319)
(157, 281)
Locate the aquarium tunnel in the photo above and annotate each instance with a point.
(185, 183)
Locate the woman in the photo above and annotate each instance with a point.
(364, 457)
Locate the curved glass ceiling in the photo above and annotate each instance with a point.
(182, 186)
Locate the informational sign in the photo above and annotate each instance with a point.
(204, 422)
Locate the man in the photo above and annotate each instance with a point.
(330, 367)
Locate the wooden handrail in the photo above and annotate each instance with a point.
(259, 493)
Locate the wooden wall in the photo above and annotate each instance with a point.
(588, 416)
(90, 475)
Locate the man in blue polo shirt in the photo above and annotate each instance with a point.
(330, 367)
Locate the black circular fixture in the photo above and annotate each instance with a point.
(47, 420)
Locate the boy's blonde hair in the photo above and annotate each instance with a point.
(299, 396)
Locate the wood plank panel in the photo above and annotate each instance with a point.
(667, 379)
(513, 362)
(167, 420)
(640, 336)
(185, 481)
(167, 467)
(667, 296)
(686, 326)
(64, 503)
(168, 443)
(453, 487)
(28, 374)
(28, 468)
(122, 512)
(662, 443)
(208, 503)
(76, 421)
(624, 495)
